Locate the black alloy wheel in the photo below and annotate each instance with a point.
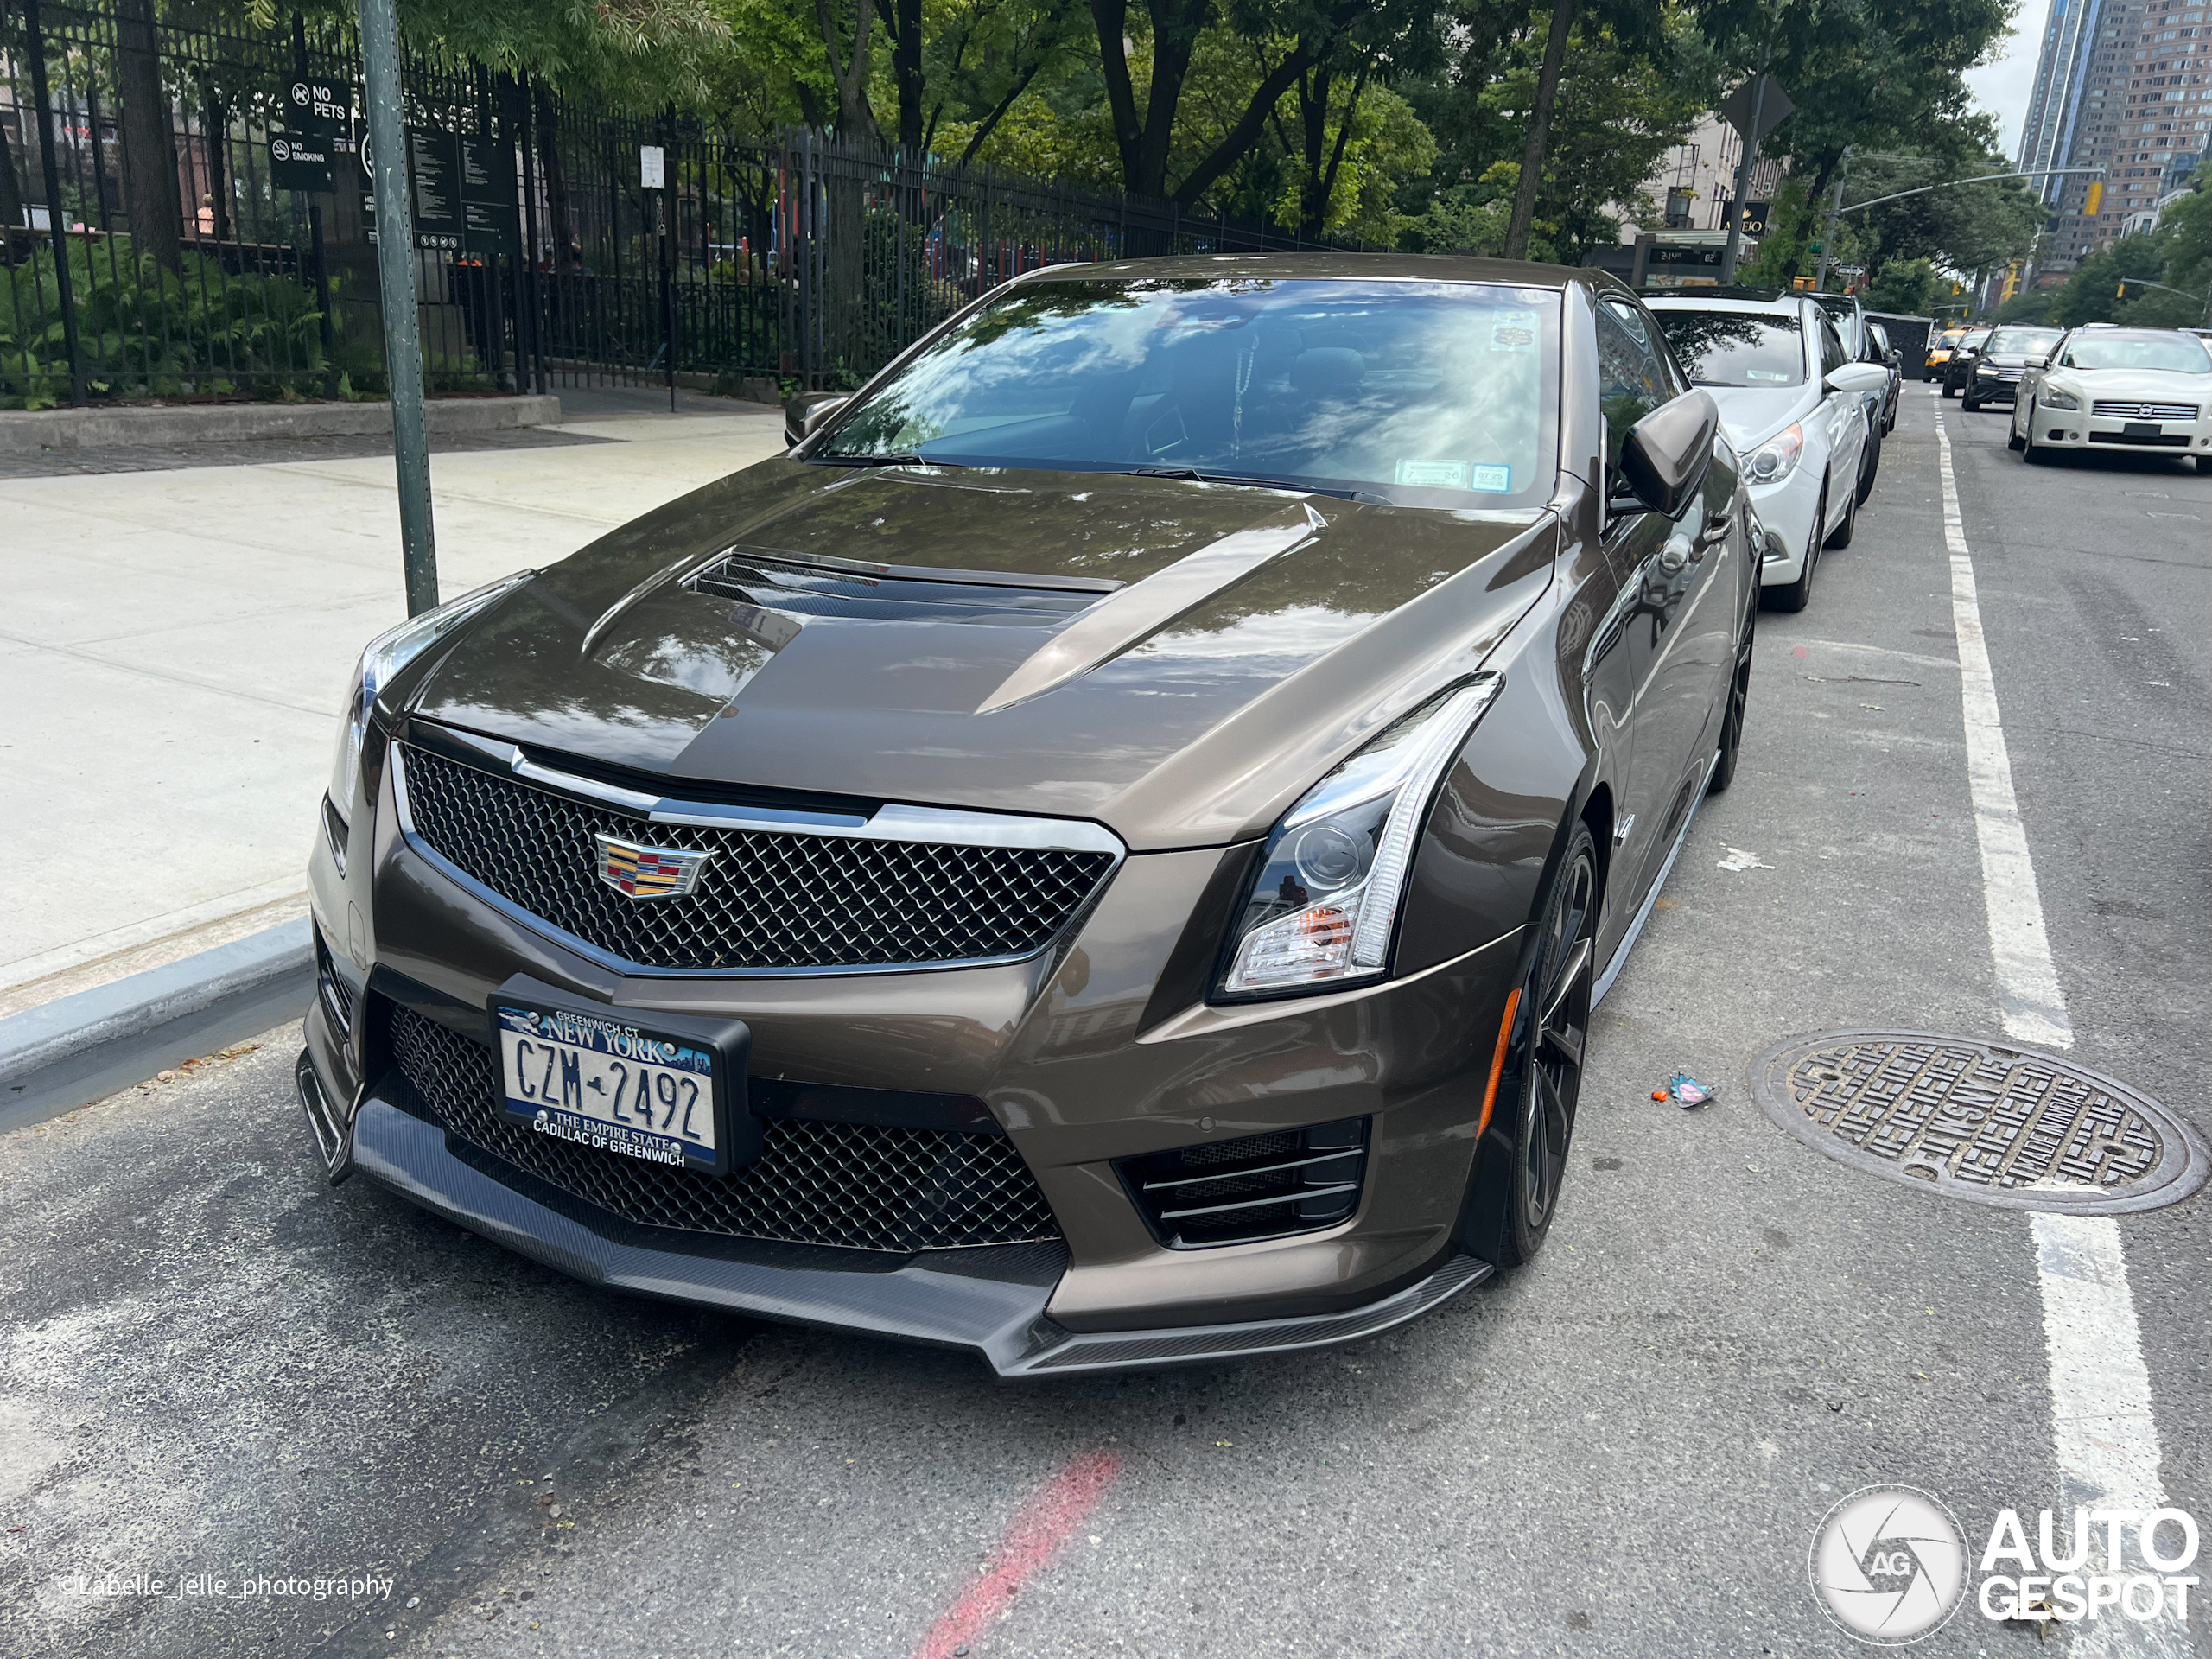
(1732, 723)
(1551, 1028)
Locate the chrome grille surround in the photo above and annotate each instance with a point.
(2124, 408)
(790, 893)
(863, 1186)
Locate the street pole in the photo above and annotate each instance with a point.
(1828, 237)
(403, 337)
(1744, 166)
(57, 221)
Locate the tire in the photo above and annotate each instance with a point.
(2203, 465)
(1947, 389)
(1732, 723)
(1971, 403)
(1541, 1085)
(2014, 441)
(1870, 465)
(1841, 537)
(2029, 453)
(1799, 594)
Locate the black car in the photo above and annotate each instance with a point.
(1957, 372)
(1101, 855)
(1995, 377)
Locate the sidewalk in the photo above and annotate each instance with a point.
(175, 645)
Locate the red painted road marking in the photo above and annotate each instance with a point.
(1032, 1539)
(1798, 650)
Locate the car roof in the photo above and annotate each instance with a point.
(1778, 305)
(1340, 265)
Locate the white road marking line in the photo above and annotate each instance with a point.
(2102, 1430)
(2027, 994)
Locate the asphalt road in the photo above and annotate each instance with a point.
(212, 1363)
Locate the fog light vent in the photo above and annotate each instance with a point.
(1257, 1186)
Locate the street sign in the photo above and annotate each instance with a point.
(299, 160)
(653, 167)
(1736, 108)
(434, 170)
(318, 107)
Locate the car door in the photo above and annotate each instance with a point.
(1844, 413)
(1665, 569)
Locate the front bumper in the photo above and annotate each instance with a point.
(1073, 1055)
(1990, 388)
(2084, 429)
(1787, 511)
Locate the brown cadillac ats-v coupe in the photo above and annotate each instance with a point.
(1101, 855)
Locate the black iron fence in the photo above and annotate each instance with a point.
(184, 213)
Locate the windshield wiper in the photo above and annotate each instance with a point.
(1198, 475)
(880, 460)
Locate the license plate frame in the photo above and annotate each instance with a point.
(2142, 429)
(587, 1044)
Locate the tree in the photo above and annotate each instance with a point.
(150, 197)
(1540, 120)
(856, 119)
(1905, 288)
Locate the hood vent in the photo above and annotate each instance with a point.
(879, 593)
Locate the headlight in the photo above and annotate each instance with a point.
(2057, 397)
(1324, 904)
(383, 657)
(1776, 458)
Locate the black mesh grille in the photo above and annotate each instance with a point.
(766, 899)
(860, 1185)
(1256, 1187)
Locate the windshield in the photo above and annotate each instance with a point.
(2031, 342)
(1973, 340)
(1735, 348)
(2178, 353)
(1427, 393)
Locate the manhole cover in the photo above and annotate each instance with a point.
(1980, 1120)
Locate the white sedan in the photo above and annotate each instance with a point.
(1794, 405)
(2147, 391)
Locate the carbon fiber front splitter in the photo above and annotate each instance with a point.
(990, 1300)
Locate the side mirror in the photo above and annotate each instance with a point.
(1857, 377)
(806, 412)
(1666, 454)
(2039, 363)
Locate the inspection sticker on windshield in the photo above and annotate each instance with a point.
(1513, 331)
(1435, 474)
(605, 1084)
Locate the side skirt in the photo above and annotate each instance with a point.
(1635, 928)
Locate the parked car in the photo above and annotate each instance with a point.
(1958, 368)
(2143, 390)
(1851, 323)
(1102, 855)
(1794, 405)
(2003, 359)
(1893, 359)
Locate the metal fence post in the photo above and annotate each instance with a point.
(57, 222)
(403, 328)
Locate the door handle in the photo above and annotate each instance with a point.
(1715, 531)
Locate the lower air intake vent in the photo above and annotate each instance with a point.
(861, 1187)
(1259, 1186)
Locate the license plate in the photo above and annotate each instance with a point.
(601, 1082)
(2142, 429)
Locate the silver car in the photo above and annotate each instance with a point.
(1794, 405)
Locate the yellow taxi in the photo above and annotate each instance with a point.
(1940, 347)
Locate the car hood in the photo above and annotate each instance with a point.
(1179, 660)
(1752, 415)
(2150, 385)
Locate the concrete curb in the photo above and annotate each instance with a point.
(30, 431)
(98, 1038)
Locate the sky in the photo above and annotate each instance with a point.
(2003, 86)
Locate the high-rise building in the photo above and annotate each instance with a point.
(2122, 86)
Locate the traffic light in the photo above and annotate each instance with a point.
(2096, 198)
(2120, 293)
